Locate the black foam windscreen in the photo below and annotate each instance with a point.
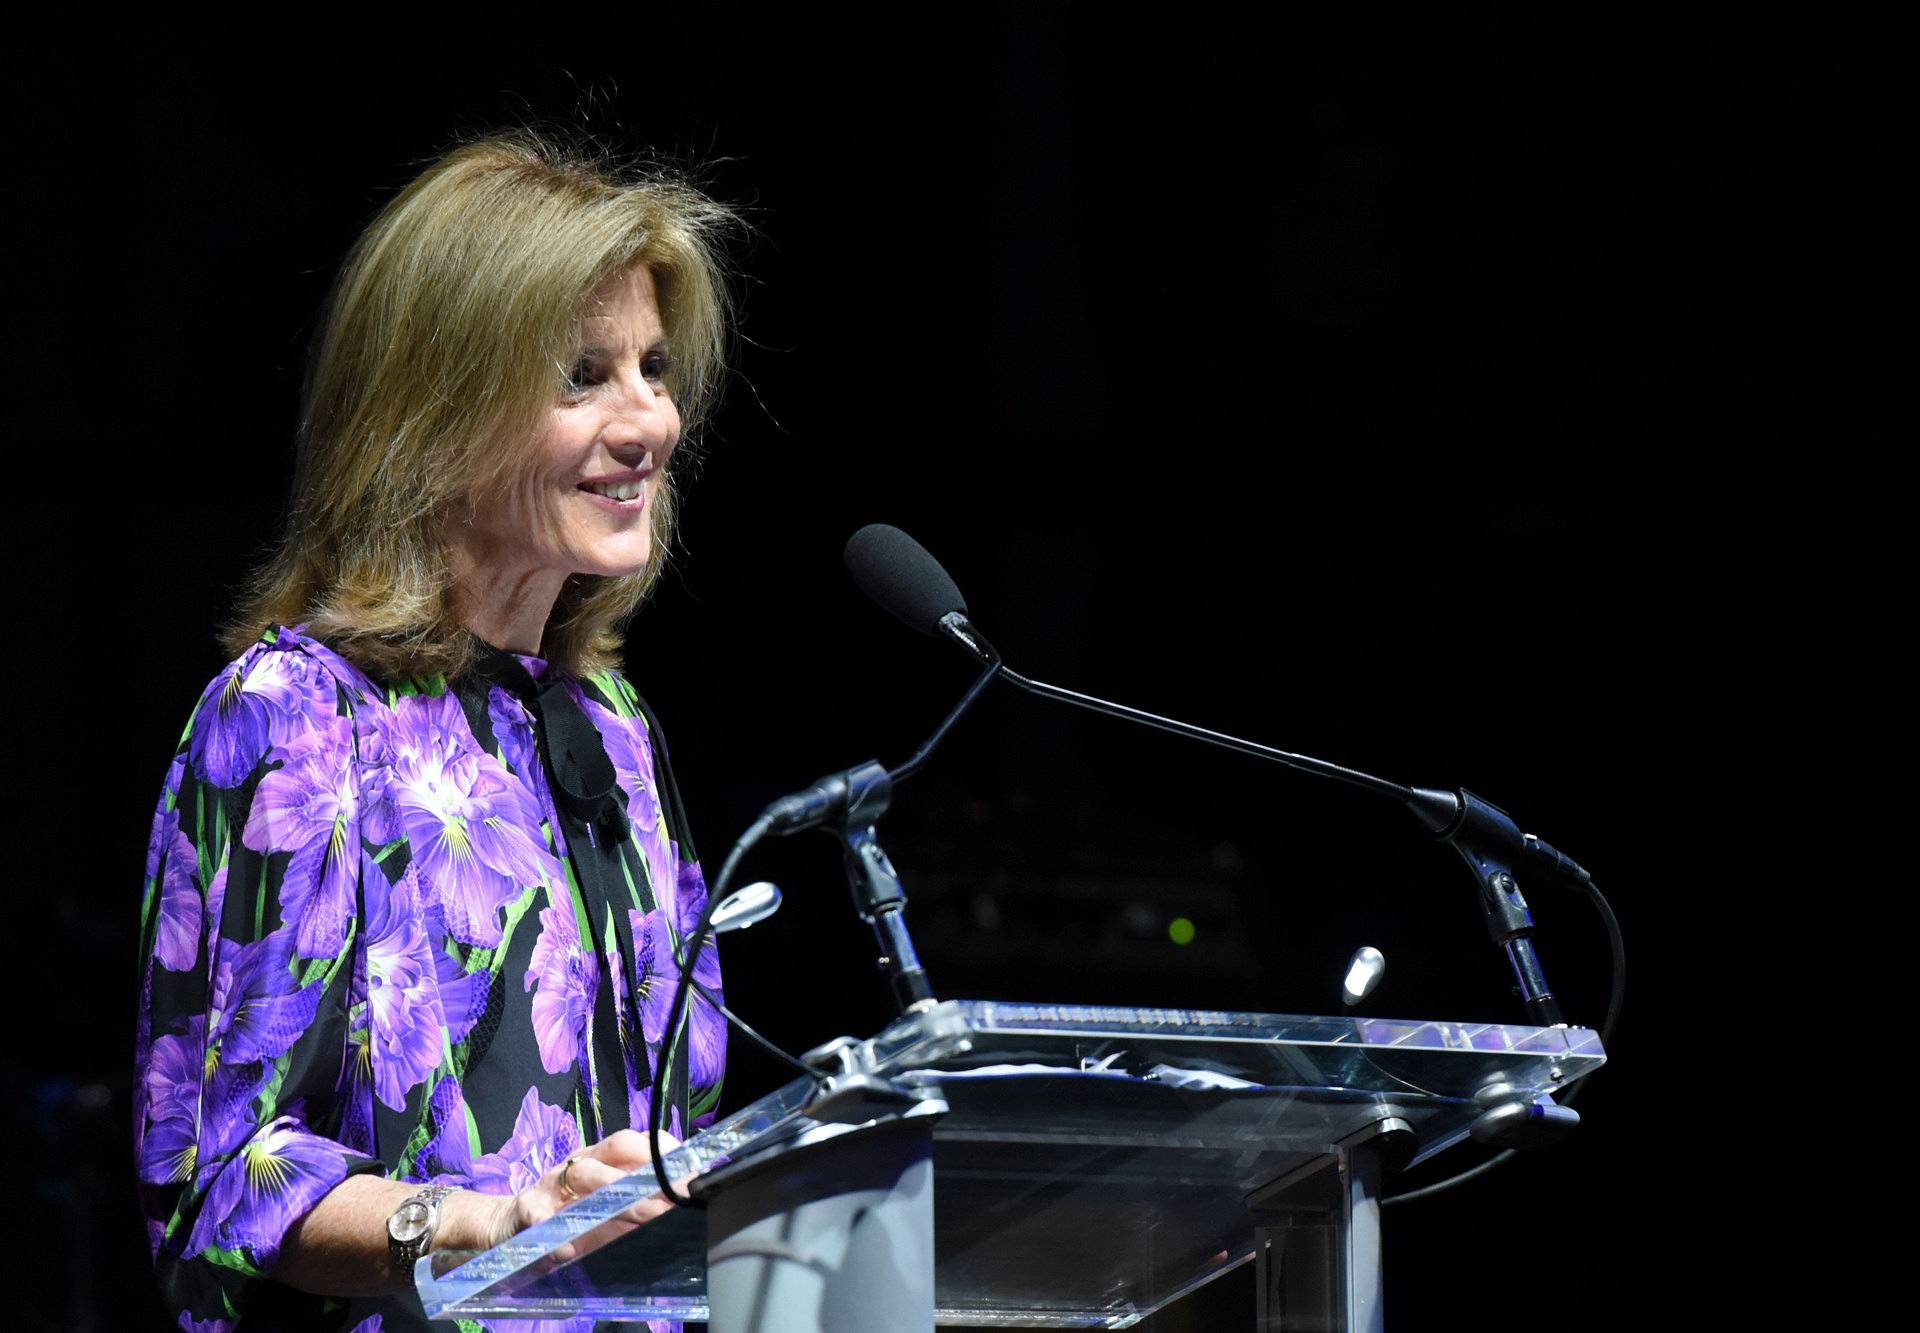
(896, 571)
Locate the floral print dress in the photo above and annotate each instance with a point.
(368, 945)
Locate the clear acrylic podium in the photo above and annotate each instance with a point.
(1037, 1165)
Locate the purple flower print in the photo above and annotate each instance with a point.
(192, 1110)
(227, 1114)
(355, 1092)
(632, 758)
(273, 1181)
(308, 807)
(706, 1025)
(398, 846)
(164, 822)
(448, 1155)
(373, 775)
(230, 728)
(706, 1040)
(176, 941)
(170, 1091)
(567, 977)
(661, 863)
(542, 1136)
(512, 729)
(463, 994)
(689, 897)
(266, 698)
(216, 899)
(259, 1007)
(653, 961)
(467, 819)
(659, 977)
(405, 1020)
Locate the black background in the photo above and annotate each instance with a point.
(1479, 401)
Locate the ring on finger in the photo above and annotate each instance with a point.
(566, 1186)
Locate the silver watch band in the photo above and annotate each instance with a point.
(404, 1253)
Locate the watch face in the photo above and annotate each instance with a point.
(410, 1222)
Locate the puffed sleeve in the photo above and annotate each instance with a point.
(247, 925)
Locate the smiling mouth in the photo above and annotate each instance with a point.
(616, 490)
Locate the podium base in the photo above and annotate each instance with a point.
(832, 1236)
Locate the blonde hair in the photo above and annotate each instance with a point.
(446, 339)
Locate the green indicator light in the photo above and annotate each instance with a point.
(1180, 930)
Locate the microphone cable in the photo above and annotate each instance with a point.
(684, 954)
(1616, 997)
(680, 1021)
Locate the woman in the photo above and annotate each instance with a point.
(419, 864)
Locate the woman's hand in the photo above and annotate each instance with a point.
(580, 1174)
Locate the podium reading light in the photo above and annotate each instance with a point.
(1364, 971)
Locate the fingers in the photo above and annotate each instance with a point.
(645, 1210)
(584, 1177)
(628, 1148)
(574, 1178)
(583, 1172)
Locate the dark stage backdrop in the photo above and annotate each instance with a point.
(1468, 402)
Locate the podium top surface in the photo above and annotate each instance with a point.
(1183, 1114)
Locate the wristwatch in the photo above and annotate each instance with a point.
(410, 1229)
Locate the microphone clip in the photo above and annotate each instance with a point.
(1490, 843)
(848, 805)
(879, 899)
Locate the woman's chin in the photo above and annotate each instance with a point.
(607, 566)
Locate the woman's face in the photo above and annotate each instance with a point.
(598, 470)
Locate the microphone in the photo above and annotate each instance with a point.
(909, 584)
(899, 574)
(903, 577)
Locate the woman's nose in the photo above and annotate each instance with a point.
(645, 418)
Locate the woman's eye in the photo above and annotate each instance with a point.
(586, 373)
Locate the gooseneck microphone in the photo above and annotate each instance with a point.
(898, 573)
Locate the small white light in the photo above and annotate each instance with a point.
(746, 906)
(1364, 971)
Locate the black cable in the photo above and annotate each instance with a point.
(1616, 998)
(689, 949)
(679, 1019)
(746, 1030)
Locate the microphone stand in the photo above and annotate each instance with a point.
(1478, 831)
(878, 897)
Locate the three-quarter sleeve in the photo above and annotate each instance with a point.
(250, 908)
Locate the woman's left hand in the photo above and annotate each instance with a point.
(580, 1174)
